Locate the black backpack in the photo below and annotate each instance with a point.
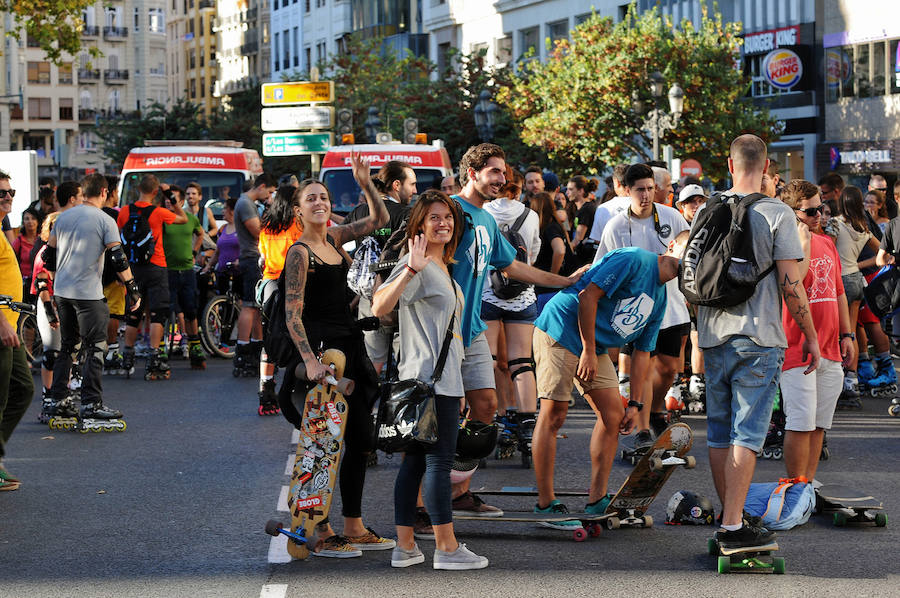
(719, 268)
(504, 287)
(137, 237)
(277, 340)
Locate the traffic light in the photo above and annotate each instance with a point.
(410, 130)
(344, 123)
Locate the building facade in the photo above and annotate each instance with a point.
(191, 49)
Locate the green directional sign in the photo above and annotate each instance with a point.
(296, 144)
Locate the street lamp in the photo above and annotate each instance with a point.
(372, 124)
(485, 115)
(658, 121)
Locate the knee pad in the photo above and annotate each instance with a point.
(526, 364)
(159, 316)
(48, 359)
(96, 351)
(133, 319)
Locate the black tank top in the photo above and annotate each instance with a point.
(326, 309)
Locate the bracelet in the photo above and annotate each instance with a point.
(411, 269)
(633, 403)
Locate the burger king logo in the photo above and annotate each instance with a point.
(782, 68)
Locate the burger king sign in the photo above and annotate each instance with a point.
(782, 68)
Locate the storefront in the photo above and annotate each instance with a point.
(856, 161)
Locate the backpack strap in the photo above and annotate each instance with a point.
(776, 501)
(520, 220)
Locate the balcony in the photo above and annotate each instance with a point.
(87, 115)
(206, 4)
(115, 76)
(88, 75)
(251, 48)
(90, 31)
(115, 33)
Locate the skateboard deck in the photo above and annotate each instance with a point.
(526, 491)
(640, 488)
(849, 506)
(756, 559)
(318, 456)
(590, 523)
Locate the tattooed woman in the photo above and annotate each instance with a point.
(318, 317)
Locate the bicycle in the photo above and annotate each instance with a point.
(26, 328)
(218, 322)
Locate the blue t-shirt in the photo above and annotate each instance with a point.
(631, 310)
(481, 246)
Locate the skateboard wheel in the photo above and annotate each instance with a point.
(594, 530)
(272, 527)
(647, 521)
(712, 547)
(579, 535)
(613, 523)
(881, 519)
(690, 462)
(778, 565)
(840, 519)
(656, 464)
(724, 564)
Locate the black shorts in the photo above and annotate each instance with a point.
(153, 283)
(668, 341)
(250, 275)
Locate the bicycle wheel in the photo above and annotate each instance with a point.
(30, 337)
(219, 326)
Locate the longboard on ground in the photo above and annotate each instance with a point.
(849, 506)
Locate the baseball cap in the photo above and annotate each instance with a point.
(688, 192)
(551, 181)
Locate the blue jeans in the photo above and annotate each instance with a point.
(741, 380)
(432, 462)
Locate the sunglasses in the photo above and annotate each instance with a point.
(5, 192)
(810, 212)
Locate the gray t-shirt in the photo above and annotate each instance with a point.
(426, 306)
(82, 234)
(775, 238)
(245, 210)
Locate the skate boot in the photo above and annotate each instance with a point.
(256, 348)
(268, 399)
(675, 398)
(128, 362)
(97, 417)
(697, 394)
(163, 353)
(524, 429)
(47, 405)
(659, 422)
(157, 369)
(243, 362)
(849, 397)
(112, 363)
(885, 383)
(197, 356)
(773, 447)
(865, 371)
(506, 438)
(63, 414)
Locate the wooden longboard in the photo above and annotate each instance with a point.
(318, 455)
(650, 475)
(756, 559)
(850, 506)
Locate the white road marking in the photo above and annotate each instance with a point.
(289, 466)
(278, 552)
(273, 590)
(282, 500)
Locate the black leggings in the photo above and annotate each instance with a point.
(360, 433)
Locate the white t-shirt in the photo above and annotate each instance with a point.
(605, 212)
(624, 230)
(505, 211)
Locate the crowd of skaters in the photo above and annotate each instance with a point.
(588, 298)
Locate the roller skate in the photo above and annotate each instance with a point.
(697, 394)
(46, 407)
(885, 383)
(849, 397)
(197, 356)
(112, 363)
(773, 447)
(506, 439)
(675, 398)
(63, 414)
(128, 362)
(268, 399)
(157, 368)
(242, 363)
(865, 371)
(524, 430)
(97, 417)
(894, 408)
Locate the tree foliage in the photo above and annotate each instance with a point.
(56, 25)
(578, 104)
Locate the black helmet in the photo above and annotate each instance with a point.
(688, 508)
(476, 440)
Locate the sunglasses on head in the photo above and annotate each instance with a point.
(810, 212)
(5, 192)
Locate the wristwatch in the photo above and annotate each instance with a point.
(850, 335)
(633, 403)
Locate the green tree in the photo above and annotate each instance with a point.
(578, 104)
(55, 25)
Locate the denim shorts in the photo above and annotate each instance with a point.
(490, 312)
(741, 380)
(250, 275)
(854, 284)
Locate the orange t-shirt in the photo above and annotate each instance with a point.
(158, 217)
(274, 248)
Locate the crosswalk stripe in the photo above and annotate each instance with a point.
(275, 590)
(289, 466)
(282, 500)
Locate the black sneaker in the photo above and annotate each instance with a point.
(748, 536)
(643, 440)
(99, 411)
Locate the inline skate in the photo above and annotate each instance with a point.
(524, 430)
(128, 362)
(849, 397)
(242, 363)
(47, 404)
(506, 438)
(157, 368)
(773, 447)
(268, 399)
(884, 384)
(675, 398)
(63, 414)
(113, 362)
(197, 356)
(697, 394)
(97, 417)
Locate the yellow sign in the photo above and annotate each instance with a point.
(297, 92)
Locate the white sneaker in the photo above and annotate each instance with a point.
(406, 558)
(459, 560)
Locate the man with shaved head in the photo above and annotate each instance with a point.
(743, 346)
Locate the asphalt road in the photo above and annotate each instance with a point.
(176, 505)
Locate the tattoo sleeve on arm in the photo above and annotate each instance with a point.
(295, 268)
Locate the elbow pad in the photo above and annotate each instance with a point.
(117, 259)
(50, 258)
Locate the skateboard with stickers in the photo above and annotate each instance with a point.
(318, 456)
